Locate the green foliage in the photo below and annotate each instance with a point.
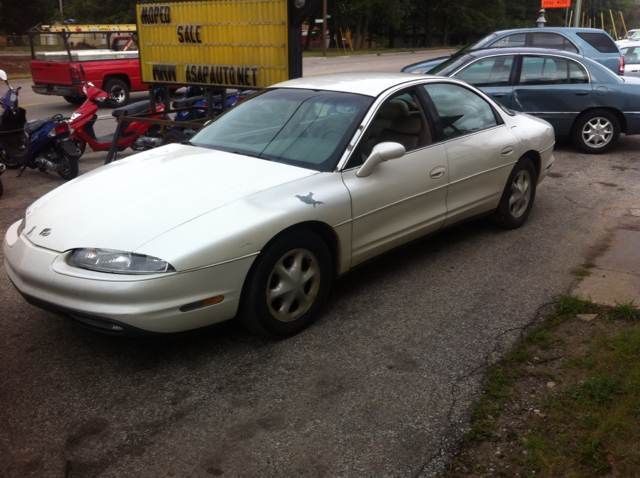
(626, 311)
(595, 389)
(18, 17)
(593, 454)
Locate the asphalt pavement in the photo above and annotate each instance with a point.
(382, 385)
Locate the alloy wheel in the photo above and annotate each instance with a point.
(597, 132)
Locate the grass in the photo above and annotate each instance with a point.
(586, 426)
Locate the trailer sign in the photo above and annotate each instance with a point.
(230, 43)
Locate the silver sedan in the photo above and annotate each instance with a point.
(273, 200)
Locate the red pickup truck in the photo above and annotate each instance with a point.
(115, 71)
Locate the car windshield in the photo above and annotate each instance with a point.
(452, 64)
(636, 35)
(303, 128)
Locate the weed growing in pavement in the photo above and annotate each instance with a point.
(626, 311)
(581, 273)
(565, 402)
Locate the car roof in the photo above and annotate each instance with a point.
(363, 83)
(530, 50)
(552, 29)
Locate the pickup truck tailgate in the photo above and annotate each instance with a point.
(51, 72)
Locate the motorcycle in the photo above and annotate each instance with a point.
(195, 98)
(84, 119)
(42, 144)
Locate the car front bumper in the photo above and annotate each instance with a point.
(122, 304)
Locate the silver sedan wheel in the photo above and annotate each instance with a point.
(293, 285)
(597, 132)
(520, 193)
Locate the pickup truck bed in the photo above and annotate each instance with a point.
(116, 72)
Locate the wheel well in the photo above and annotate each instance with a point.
(123, 78)
(326, 233)
(534, 156)
(621, 119)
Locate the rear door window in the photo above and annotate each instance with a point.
(461, 111)
(600, 41)
(552, 41)
(494, 71)
(540, 70)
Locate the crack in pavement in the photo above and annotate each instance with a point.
(435, 463)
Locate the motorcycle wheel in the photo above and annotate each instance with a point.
(174, 136)
(1, 189)
(7, 161)
(68, 168)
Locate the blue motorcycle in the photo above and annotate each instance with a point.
(42, 144)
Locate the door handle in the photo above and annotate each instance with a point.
(507, 151)
(437, 173)
(499, 95)
(582, 93)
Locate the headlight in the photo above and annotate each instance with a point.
(117, 262)
(100, 99)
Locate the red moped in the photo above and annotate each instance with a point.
(136, 135)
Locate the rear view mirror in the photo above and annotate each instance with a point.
(381, 152)
(3, 75)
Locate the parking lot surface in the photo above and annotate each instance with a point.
(382, 385)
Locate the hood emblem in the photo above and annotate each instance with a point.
(308, 199)
(45, 232)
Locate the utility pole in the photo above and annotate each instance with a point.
(324, 27)
(576, 17)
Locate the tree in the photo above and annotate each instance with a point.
(18, 17)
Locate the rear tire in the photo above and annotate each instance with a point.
(7, 161)
(286, 286)
(518, 196)
(75, 100)
(174, 136)
(68, 168)
(118, 93)
(596, 131)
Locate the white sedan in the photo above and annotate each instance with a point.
(257, 215)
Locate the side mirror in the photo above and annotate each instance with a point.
(381, 152)
(3, 75)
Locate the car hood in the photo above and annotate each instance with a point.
(130, 202)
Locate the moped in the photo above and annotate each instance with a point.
(42, 144)
(84, 119)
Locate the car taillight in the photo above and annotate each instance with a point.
(59, 129)
(75, 75)
(621, 67)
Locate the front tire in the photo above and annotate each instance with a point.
(118, 93)
(596, 131)
(518, 196)
(287, 285)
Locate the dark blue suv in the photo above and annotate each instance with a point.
(588, 42)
